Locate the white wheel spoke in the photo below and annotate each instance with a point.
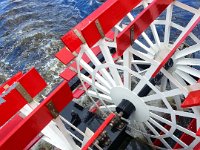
(127, 76)
(189, 70)
(184, 114)
(168, 24)
(153, 28)
(108, 58)
(174, 81)
(189, 61)
(184, 130)
(187, 51)
(186, 77)
(195, 39)
(163, 83)
(179, 79)
(158, 109)
(138, 62)
(97, 76)
(187, 28)
(96, 84)
(169, 93)
(186, 7)
(149, 50)
(155, 123)
(161, 119)
(179, 141)
(130, 16)
(96, 62)
(99, 96)
(156, 133)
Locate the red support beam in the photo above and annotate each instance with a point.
(23, 133)
(14, 101)
(104, 14)
(193, 99)
(140, 24)
(98, 131)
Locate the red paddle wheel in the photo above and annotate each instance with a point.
(137, 64)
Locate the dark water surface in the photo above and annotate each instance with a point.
(30, 32)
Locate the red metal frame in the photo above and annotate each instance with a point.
(98, 131)
(105, 15)
(193, 99)
(32, 82)
(140, 24)
(20, 136)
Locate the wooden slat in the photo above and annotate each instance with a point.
(80, 91)
(65, 56)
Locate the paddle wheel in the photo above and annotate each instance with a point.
(135, 67)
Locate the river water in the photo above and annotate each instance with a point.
(30, 32)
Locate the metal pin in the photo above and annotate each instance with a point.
(99, 27)
(132, 35)
(24, 93)
(80, 36)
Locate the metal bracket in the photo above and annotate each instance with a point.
(75, 53)
(80, 36)
(132, 35)
(99, 27)
(52, 109)
(6, 87)
(24, 93)
(73, 69)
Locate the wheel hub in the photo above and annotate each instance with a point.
(141, 114)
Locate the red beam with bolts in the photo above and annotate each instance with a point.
(140, 24)
(14, 101)
(98, 131)
(176, 47)
(104, 14)
(20, 136)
